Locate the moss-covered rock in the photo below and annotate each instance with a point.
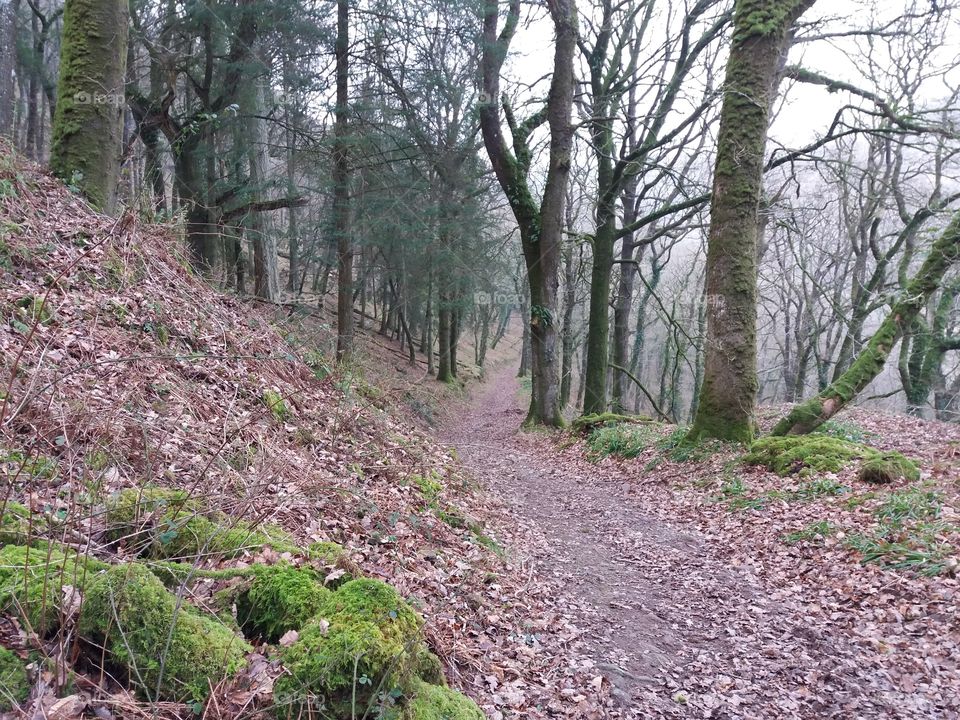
(14, 524)
(166, 648)
(888, 467)
(167, 524)
(14, 680)
(32, 580)
(808, 454)
(364, 641)
(280, 598)
(434, 702)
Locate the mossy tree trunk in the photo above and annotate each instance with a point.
(808, 416)
(761, 39)
(540, 226)
(88, 124)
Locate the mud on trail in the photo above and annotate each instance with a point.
(676, 625)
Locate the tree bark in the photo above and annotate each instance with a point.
(88, 125)
(540, 227)
(761, 39)
(8, 61)
(341, 190)
(810, 415)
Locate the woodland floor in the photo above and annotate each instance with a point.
(681, 621)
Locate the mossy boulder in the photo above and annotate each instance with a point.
(888, 467)
(32, 581)
(279, 598)
(165, 647)
(434, 702)
(14, 680)
(364, 641)
(167, 524)
(809, 454)
(14, 524)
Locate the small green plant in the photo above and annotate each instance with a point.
(821, 487)
(910, 504)
(816, 532)
(735, 493)
(276, 404)
(923, 549)
(430, 487)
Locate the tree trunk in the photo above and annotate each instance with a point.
(8, 60)
(540, 227)
(761, 39)
(341, 190)
(808, 416)
(88, 126)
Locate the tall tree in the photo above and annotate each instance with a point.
(341, 188)
(8, 58)
(541, 226)
(88, 125)
(761, 39)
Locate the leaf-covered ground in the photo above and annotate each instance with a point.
(122, 369)
(707, 588)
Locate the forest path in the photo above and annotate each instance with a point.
(678, 627)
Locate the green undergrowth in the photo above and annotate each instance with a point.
(807, 455)
(431, 488)
(908, 533)
(613, 438)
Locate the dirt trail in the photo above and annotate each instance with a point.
(677, 627)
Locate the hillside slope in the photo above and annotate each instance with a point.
(122, 370)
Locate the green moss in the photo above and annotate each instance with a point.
(14, 524)
(888, 467)
(364, 641)
(434, 702)
(806, 454)
(32, 581)
(26, 466)
(167, 524)
(167, 652)
(329, 553)
(276, 404)
(280, 598)
(376, 602)
(14, 681)
(803, 454)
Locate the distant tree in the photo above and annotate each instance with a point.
(808, 416)
(88, 124)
